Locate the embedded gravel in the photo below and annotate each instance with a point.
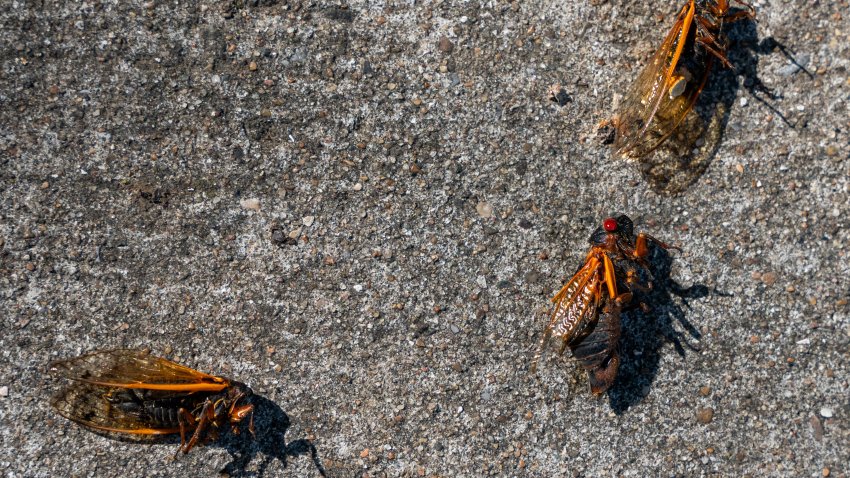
(362, 209)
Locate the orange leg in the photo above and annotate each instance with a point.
(610, 276)
(642, 245)
(710, 43)
(632, 281)
(237, 414)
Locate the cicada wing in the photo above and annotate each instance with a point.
(129, 368)
(661, 95)
(572, 308)
(108, 409)
(576, 302)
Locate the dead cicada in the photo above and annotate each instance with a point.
(136, 393)
(666, 89)
(586, 314)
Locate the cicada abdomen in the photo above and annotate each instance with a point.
(598, 351)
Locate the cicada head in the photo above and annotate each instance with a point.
(237, 396)
(620, 226)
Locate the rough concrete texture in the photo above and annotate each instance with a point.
(362, 210)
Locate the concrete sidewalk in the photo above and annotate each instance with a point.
(362, 210)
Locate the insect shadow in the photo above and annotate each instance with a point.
(683, 159)
(645, 333)
(271, 424)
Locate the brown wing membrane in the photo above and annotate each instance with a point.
(575, 304)
(574, 310)
(136, 369)
(89, 404)
(649, 113)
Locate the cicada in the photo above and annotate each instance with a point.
(667, 88)
(586, 311)
(134, 392)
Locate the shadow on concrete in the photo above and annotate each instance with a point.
(271, 424)
(644, 333)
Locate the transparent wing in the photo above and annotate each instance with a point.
(138, 369)
(663, 93)
(106, 408)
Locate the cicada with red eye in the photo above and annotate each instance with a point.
(136, 393)
(586, 311)
(667, 88)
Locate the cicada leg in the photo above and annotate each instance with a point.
(186, 421)
(207, 416)
(634, 284)
(623, 298)
(641, 250)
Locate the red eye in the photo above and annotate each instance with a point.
(610, 224)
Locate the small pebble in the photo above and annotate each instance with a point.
(252, 204)
(817, 427)
(4, 391)
(252, 66)
(358, 187)
(769, 278)
(445, 45)
(791, 67)
(364, 453)
(455, 329)
(308, 220)
(705, 415)
(826, 412)
(705, 391)
(484, 210)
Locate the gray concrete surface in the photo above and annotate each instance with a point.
(361, 210)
